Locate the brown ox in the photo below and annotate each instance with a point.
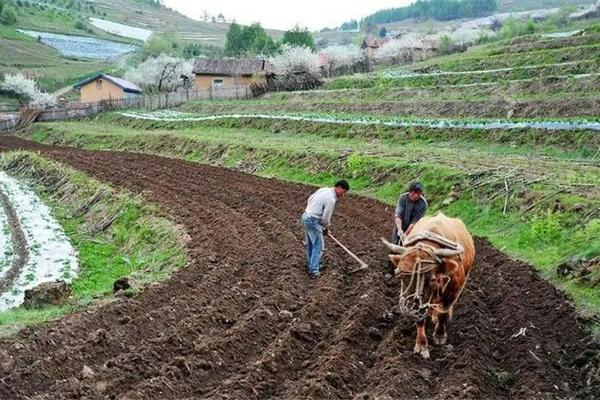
(433, 265)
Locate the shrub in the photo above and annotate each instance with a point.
(445, 46)
(546, 228)
(513, 28)
(79, 24)
(8, 16)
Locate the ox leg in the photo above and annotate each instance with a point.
(421, 346)
(440, 336)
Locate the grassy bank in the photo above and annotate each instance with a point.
(115, 233)
(558, 144)
(465, 184)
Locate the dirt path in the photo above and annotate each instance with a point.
(244, 321)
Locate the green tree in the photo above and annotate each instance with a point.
(257, 41)
(8, 16)
(234, 43)
(513, 28)
(351, 25)
(248, 40)
(162, 43)
(299, 37)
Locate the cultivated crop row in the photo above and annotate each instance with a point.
(174, 116)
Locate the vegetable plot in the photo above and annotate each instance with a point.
(174, 116)
(49, 254)
(81, 46)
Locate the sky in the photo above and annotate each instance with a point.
(283, 15)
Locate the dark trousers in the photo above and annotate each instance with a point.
(395, 238)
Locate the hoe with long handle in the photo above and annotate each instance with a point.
(363, 265)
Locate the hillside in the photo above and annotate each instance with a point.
(53, 70)
(449, 10)
(524, 5)
(22, 53)
(72, 17)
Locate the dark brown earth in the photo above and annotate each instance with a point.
(244, 321)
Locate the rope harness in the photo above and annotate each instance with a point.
(411, 302)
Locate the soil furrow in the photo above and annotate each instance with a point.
(20, 250)
(244, 320)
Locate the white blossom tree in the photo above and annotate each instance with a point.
(339, 56)
(43, 100)
(401, 48)
(295, 58)
(27, 90)
(163, 73)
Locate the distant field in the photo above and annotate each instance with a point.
(21, 53)
(82, 46)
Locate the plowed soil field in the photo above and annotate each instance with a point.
(244, 321)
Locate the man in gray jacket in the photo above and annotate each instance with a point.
(316, 220)
(410, 208)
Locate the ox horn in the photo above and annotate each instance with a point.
(393, 247)
(449, 252)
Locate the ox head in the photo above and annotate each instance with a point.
(423, 271)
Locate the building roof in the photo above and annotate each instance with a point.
(120, 82)
(232, 66)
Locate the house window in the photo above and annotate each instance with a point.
(99, 84)
(217, 83)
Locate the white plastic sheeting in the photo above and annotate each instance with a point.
(51, 256)
(121, 29)
(442, 123)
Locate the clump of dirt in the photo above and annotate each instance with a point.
(49, 293)
(244, 321)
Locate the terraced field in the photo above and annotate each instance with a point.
(243, 321)
(545, 79)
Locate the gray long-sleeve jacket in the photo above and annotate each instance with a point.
(408, 211)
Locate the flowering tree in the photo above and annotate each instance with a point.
(401, 48)
(19, 85)
(463, 36)
(342, 56)
(295, 58)
(163, 73)
(43, 100)
(27, 90)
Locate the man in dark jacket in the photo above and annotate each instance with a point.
(410, 208)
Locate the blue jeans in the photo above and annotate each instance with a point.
(314, 242)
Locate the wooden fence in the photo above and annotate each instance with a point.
(8, 124)
(150, 102)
